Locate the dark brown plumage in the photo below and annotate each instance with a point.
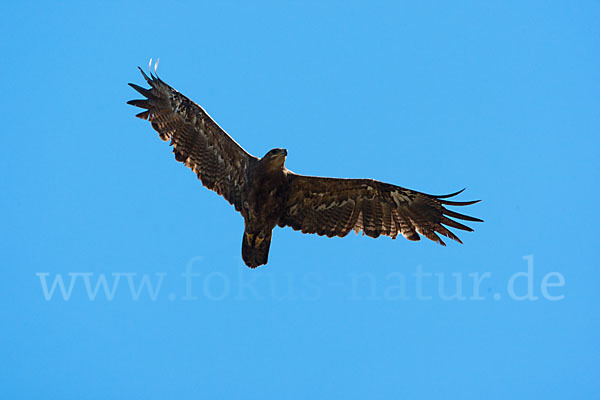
(267, 194)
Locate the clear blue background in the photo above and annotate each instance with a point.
(501, 97)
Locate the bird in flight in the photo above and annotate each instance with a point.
(267, 194)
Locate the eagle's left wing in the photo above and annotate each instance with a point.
(334, 207)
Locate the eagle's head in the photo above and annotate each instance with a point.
(275, 157)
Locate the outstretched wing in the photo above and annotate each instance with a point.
(197, 140)
(334, 207)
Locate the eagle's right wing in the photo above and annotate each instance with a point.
(334, 207)
(197, 140)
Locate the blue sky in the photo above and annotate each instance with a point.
(500, 97)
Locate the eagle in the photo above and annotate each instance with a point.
(267, 194)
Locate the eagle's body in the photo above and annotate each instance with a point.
(263, 205)
(268, 195)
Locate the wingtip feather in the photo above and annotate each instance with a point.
(144, 115)
(139, 103)
(445, 196)
(145, 76)
(459, 203)
(141, 90)
(464, 217)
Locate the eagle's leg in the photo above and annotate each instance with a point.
(255, 247)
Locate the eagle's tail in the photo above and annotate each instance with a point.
(255, 248)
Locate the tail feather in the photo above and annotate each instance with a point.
(255, 248)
